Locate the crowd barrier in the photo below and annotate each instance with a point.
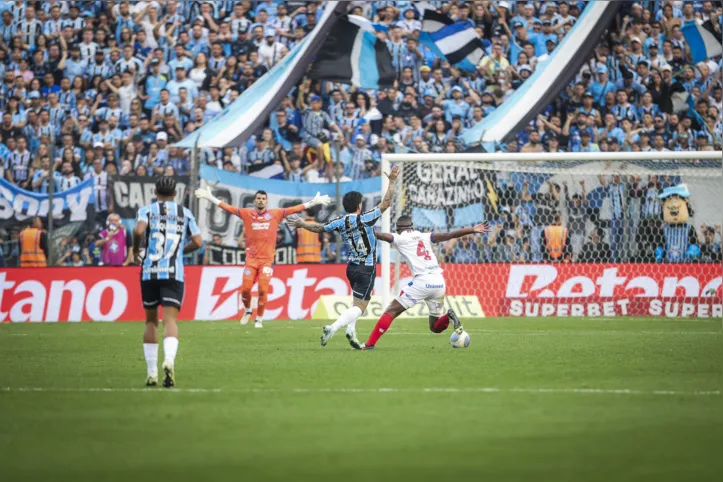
(530, 290)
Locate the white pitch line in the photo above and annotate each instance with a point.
(586, 391)
(568, 333)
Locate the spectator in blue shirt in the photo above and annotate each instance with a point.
(585, 144)
(601, 86)
(456, 106)
(74, 66)
(539, 39)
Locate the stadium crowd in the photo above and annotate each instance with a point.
(96, 89)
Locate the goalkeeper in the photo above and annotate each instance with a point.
(260, 225)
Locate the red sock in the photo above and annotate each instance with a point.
(441, 324)
(382, 325)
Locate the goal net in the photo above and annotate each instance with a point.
(584, 234)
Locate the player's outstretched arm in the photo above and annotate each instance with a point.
(387, 200)
(318, 200)
(480, 228)
(386, 237)
(297, 222)
(207, 195)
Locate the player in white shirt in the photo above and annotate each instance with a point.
(428, 284)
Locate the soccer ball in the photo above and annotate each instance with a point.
(459, 340)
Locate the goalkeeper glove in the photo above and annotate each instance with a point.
(318, 199)
(206, 194)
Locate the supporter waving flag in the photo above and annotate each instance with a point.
(458, 42)
(703, 40)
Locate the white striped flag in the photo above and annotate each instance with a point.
(457, 42)
(702, 39)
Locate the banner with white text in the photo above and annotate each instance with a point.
(130, 193)
(18, 205)
(449, 196)
(585, 291)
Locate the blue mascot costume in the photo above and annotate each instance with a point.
(679, 243)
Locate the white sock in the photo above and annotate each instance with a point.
(170, 348)
(351, 327)
(150, 350)
(259, 319)
(348, 317)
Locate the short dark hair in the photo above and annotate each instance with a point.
(404, 221)
(261, 192)
(165, 186)
(351, 201)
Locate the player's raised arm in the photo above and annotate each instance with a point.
(318, 200)
(387, 200)
(441, 237)
(206, 194)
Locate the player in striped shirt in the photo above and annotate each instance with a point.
(357, 232)
(260, 226)
(163, 227)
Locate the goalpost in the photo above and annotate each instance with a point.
(574, 234)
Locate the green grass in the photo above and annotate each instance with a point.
(270, 418)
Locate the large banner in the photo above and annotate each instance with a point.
(516, 290)
(447, 196)
(133, 192)
(240, 190)
(247, 114)
(593, 290)
(18, 205)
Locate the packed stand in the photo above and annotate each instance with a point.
(98, 89)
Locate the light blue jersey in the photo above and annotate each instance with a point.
(168, 226)
(357, 231)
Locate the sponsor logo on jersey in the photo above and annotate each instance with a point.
(435, 286)
(161, 269)
(260, 226)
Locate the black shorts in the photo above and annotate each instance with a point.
(165, 292)
(361, 279)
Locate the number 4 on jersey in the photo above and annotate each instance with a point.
(422, 251)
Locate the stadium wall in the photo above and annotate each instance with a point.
(531, 290)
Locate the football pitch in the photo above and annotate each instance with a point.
(551, 400)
